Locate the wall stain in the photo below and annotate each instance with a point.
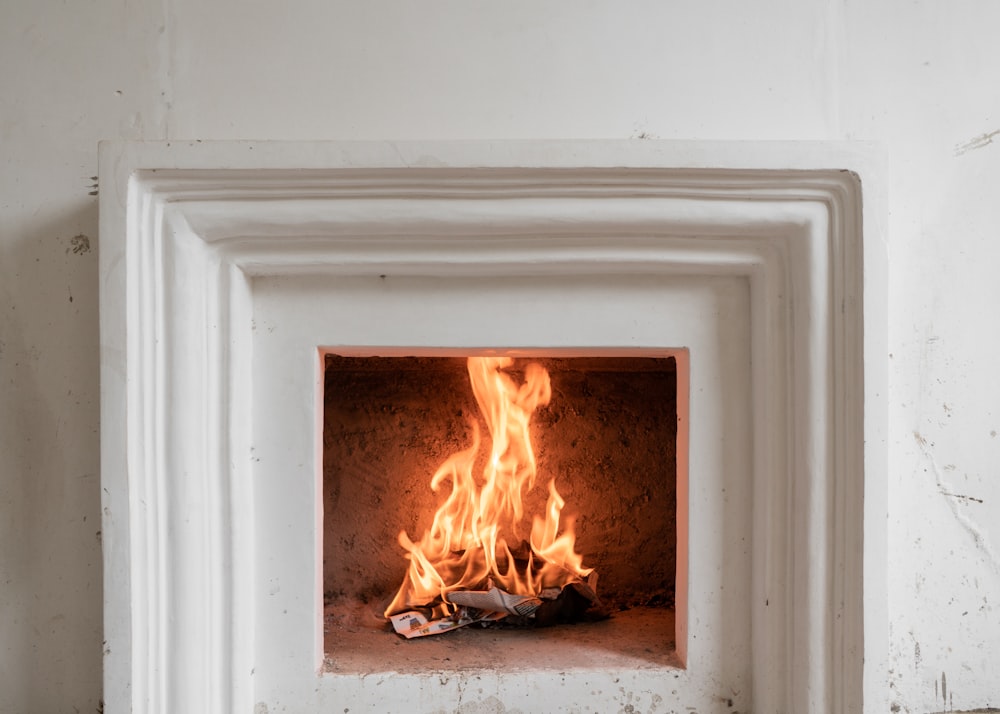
(79, 244)
(977, 142)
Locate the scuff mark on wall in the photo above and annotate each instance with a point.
(977, 142)
(643, 134)
(979, 538)
(958, 495)
(490, 705)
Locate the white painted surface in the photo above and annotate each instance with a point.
(423, 312)
(235, 281)
(918, 77)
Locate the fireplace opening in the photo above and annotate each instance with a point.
(607, 438)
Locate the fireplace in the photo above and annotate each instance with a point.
(231, 272)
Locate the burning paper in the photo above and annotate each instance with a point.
(474, 606)
(475, 557)
(483, 606)
(496, 600)
(414, 624)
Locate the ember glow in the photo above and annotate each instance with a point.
(480, 533)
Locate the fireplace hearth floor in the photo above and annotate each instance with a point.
(639, 638)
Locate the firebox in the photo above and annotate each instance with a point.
(540, 458)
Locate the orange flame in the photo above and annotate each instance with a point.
(477, 532)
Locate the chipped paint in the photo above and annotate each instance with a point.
(977, 142)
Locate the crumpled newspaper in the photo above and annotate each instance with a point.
(482, 606)
(496, 600)
(414, 624)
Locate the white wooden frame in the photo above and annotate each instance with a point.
(187, 229)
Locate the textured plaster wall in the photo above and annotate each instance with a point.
(920, 77)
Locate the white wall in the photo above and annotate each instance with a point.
(920, 77)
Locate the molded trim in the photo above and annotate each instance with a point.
(186, 228)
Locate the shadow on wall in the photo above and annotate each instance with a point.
(50, 524)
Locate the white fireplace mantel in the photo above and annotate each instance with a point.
(227, 267)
